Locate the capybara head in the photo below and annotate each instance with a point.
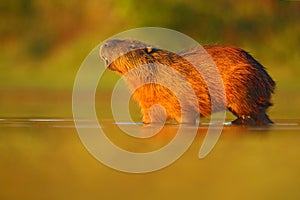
(123, 55)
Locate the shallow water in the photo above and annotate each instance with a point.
(43, 158)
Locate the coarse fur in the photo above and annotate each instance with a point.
(247, 85)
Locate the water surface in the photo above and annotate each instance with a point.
(43, 158)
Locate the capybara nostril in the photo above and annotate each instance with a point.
(106, 44)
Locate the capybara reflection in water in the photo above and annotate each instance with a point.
(247, 85)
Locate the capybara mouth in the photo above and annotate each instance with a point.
(109, 66)
(105, 60)
(103, 54)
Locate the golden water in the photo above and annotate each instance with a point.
(43, 158)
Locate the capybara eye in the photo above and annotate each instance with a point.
(132, 46)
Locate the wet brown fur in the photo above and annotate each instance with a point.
(248, 87)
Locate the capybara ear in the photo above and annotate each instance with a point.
(131, 46)
(149, 49)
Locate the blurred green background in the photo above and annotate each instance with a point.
(44, 42)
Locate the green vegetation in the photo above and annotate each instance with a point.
(44, 42)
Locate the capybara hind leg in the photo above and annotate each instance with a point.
(262, 119)
(244, 120)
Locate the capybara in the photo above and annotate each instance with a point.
(247, 85)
